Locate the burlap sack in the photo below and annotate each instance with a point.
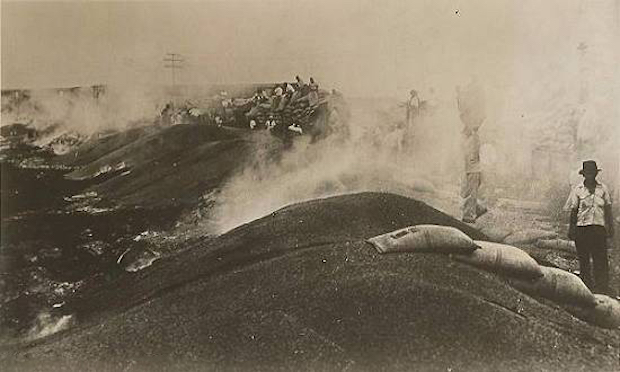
(503, 259)
(424, 238)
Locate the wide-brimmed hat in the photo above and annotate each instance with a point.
(589, 166)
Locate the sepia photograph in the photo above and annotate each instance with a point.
(310, 185)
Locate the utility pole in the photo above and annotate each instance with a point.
(174, 62)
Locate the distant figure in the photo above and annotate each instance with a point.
(334, 118)
(225, 101)
(299, 82)
(311, 98)
(278, 92)
(313, 84)
(301, 89)
(252, 124)
(178, 117)
(165, 115)
(270, 123)
(286, 99)
(260, 103)
(591, 223)
(471, 108)
(413, 108)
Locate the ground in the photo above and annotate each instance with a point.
(298, 289)
(313, 294)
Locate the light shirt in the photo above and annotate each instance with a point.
(591, 206)
(270, 124)
(414, 102)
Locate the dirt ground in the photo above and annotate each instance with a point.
(300, 289)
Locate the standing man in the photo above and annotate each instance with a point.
(470, 102)
(165, 115)
(591, 223)
(413, 108)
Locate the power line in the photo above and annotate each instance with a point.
(174, 62)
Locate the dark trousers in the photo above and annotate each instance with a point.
(591, 244)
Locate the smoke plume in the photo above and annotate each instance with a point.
(53, 112)
(531, 148)
(379, 154)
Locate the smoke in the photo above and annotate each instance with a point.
(379, 154)
(531, 149)
(46, 324)
(84, 112)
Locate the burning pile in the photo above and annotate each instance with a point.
(284, 109)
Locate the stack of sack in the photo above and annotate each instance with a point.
(521, 270)
(529, 236)
(506, 235)
(557, 244)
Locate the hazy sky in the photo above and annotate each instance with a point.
(364, 47)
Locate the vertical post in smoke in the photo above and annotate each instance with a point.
(173, 62)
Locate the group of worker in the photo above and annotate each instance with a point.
(287, 105)
(286, 110)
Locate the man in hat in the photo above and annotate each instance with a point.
(591, 223)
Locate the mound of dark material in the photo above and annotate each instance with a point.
(21, 189)
(170, 166)
(103, 144)
(301, 290)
